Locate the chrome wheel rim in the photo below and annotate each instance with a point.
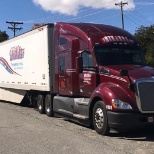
(99, 118)
(40, 102)
(48, 106)
(40, 105)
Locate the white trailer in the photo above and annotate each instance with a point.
(24, 64)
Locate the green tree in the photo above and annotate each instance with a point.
(145, 36)
(3, 36)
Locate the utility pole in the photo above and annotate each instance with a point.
(122, 14)
(14, 26)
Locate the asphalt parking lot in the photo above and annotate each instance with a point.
(24, 130)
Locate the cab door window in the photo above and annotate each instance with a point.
(87, 59)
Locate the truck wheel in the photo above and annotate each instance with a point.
(49, 106)
(40, 104)
(100, 121)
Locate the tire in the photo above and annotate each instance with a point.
(49, 106)
(40, 104)
(100, 121)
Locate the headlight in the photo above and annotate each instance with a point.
(118, 104)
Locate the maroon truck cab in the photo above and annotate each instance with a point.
(101, 77)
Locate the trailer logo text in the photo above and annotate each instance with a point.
(16, 53)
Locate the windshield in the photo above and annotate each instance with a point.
(118, 55)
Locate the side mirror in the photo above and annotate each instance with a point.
(124, 72)
(79, 65)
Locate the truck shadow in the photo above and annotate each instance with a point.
(146, 134)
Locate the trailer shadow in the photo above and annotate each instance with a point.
(16, 104)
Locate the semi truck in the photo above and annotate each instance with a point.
(94, 74)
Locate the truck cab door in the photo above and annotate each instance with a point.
(67, 77)
(88, 79)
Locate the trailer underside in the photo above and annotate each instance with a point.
(12, 95)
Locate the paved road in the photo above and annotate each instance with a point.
(24, 131)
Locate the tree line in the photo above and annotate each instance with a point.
(3, 36)
(144, 35)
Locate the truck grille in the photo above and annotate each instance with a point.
(145, 95)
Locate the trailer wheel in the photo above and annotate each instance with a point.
(100, 121)
(49, 106)
(40, 104)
